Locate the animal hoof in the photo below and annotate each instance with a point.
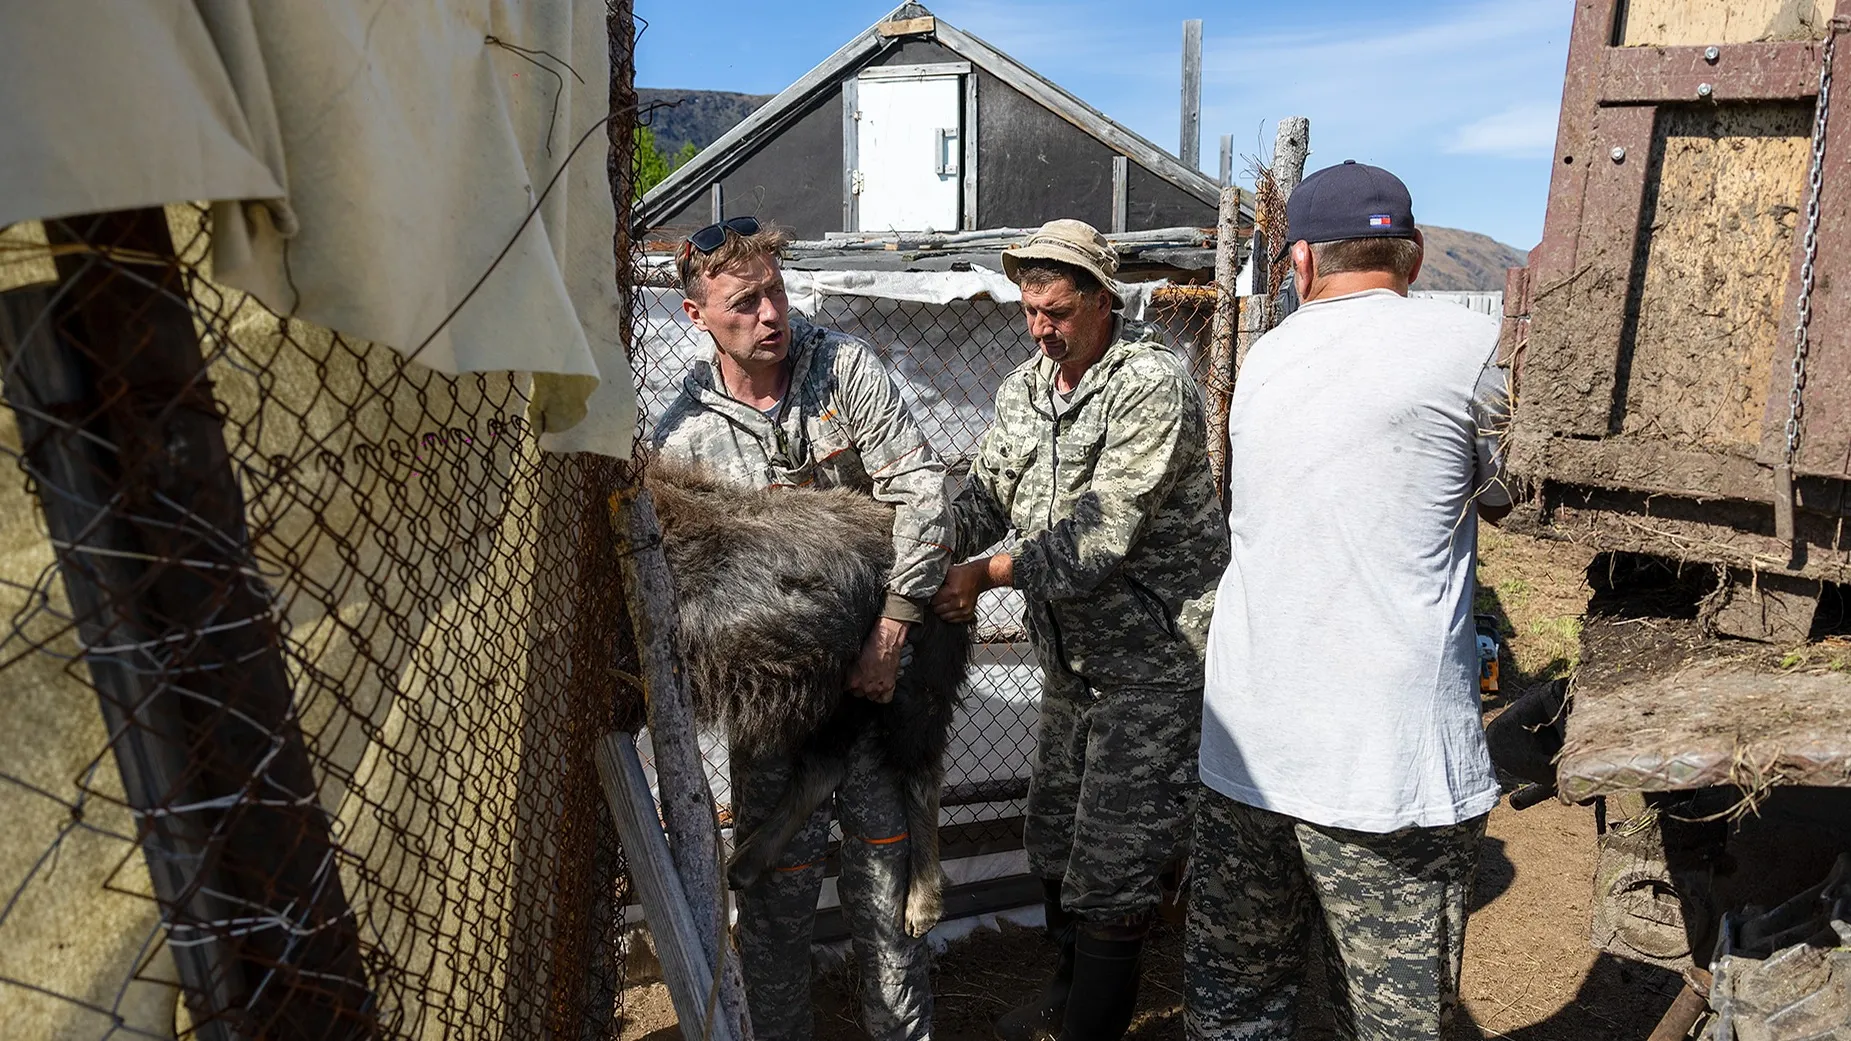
(742, 871)
(922, 911)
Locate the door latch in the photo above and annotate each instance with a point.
(946, 151)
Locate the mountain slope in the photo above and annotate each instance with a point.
(1465, 260)
(700, 116)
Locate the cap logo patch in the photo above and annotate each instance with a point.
(1379, 220)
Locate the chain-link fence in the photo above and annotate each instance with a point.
(948, 359)
(306, 647)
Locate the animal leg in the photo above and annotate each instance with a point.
(814, 777)
(925, 893)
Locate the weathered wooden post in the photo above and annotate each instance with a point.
(1220, 378)
(1189, 149)
(681, 780)
(673, 922)
(1291, 144)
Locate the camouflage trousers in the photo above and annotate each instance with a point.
(777, 914)
(1112, 790)
(1392, 908)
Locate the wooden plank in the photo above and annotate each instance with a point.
(1189, 149)
(1121, 187)
(1735, 725)
(908, 27)
(1669, 23)
(972, 121)
(1787, 71)
(1640, 464)
(672, 923)
(687, 802)
(851, 154)
(1733, 534)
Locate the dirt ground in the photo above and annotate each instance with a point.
(1530, 974)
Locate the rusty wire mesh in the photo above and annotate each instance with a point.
(948, 360)
(305, 648)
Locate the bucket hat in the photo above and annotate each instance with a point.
(1070, 242)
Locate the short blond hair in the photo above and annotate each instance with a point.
(696, 267)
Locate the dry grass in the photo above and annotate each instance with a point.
(1538, 592)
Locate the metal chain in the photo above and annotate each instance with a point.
(1800, 342)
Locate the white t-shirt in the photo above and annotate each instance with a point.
(1342, 682)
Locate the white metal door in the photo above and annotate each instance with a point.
(909, 153)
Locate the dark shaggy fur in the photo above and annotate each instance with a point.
(778, 590)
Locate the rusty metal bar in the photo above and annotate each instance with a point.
(1787, 71)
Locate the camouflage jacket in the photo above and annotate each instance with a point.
(1119, 540)
(841, 425)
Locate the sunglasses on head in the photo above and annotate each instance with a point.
(713, 236)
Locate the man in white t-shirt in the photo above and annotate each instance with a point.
(1341, 740)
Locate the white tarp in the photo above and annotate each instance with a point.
(807, 288)
(369, 161)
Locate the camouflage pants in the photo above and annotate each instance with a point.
(1113, 788)
(1393, 908)
(776, 915)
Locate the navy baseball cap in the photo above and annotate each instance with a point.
(1351, 200)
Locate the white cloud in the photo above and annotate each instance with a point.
(1520, 132)
(1458, 96)
(1386, 84)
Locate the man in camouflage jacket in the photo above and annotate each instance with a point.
(789, 404)
(1095, 469)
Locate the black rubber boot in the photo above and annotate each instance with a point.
(1105, 981)
(1041, 1018)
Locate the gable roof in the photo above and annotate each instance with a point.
(906, 21)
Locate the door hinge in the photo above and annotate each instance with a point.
(856, 182)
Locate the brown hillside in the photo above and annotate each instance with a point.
(1460, 261)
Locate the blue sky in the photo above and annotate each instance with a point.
(1459, 97)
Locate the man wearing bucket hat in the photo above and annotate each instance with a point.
(1095, 471)
(1347, 778)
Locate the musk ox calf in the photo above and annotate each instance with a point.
(778, 590)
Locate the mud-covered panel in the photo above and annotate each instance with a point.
(1697, 23)
(1723, 197)
(1033, 166)
(1735, 534)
